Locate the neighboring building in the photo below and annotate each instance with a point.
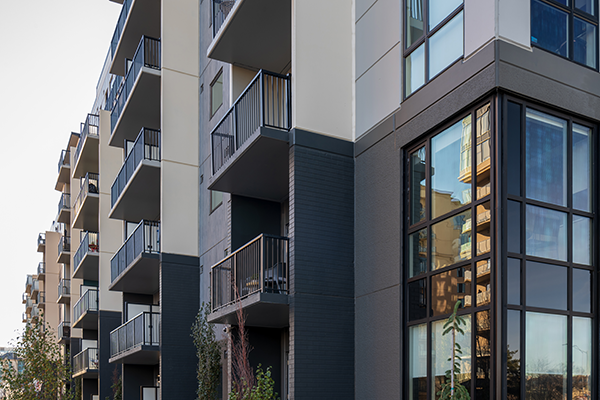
(350, 170)
(8, 354)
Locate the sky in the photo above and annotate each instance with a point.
(51, 56)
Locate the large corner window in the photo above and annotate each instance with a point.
(568, 28)
(449, 257)
(550, 262)
(433, 39)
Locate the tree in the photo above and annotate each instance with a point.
(45, 374)
(451, 389)
(208, 351)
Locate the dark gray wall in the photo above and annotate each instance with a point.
(107, 321)
(266, 350)
(89, 388)
(179, 304)
(135, 376)
(251, 217)
(321, 268)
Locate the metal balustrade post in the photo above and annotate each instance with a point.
(262, 263)
(261, 99)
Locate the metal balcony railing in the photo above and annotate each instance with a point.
(88, 302)
(89, 244)
(41, 297)
(41, 241)
(64, 287)
(144, 239)
(65, 202)
(57, 226)
(143, 329)
(114, 43)
(89, 184)
(64, 330)
(85, 361)
(266, 102)
(259, 266)
(64, 244)
(221, 9)
(150, 393)
(146, 55)
(146, 147)
(88, 128)
(65, 159)
(41, 269)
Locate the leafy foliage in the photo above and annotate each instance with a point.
(263, 389)
(451, 389)
(208, 351)
(45, 374)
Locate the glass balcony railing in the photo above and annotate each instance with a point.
(85, 361)
(89, 184)
(41, 269)
(114, 43)
(88, 128)
(64, 244)
(41, 241)
(144, 239)
(221, 9)
(143, 329)
(259, 266)
(146, 147)
(146, 55)
(64, 287)
(65, 202)
(88, 302)
(64, 160)
(266, 102)
(89, 244)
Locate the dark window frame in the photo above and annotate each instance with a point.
(218, 75)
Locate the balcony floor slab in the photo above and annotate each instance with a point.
(88, 320)
(88, 267)
(88, 157)
(87, 216)
(140, 277)
(64, 176)
(140, 198)
(140, 355)
(267, 310)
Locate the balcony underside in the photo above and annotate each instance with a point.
(63, 257)
(64, 215)
(143, 19)
(88, 320)
(86, 374)
(88, 267)
(88, 157)
(142, 108)
(64, 340)
(87, 216)
(256, 34)
(140, 198)
(64, 299)
(64, 176)
(267, 310)
(41, 247)
(139, 277)
(259, 169)
(42, 306)
(140, 355)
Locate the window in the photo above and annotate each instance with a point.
(567, 28)
(216, 199)
(449, 253)
(550, 266)
(433, 39)
(216, 93)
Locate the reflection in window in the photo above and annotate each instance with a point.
(582, 167)
(582, 290)
(484, 289)
(440, 9)
(417, 256)
(584, 43)
(586, 6)
(483, 150)
(514, 226)
(417, 364)
(546, 233)
(451, 240)
(549, 28)
(484, 219)
(417, 300)
(513, 281)
(546, 158)
(546, 285)
(414, 22)
(513, 355)
(449, 287)
(441, 347)
(582, 358)
(216, 93)
(545, 356)
(415, 70)
(483, 354)
(582, 246)
(451, 168)
(446, 45)
(418, 179)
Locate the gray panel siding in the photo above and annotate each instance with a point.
(107, 321)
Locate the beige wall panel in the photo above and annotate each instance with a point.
(179, 209)
(362, 6)
(480, 24)
(377, 32)
(179, 124)
(240, 78)
(322, 60)
(180, 36)
(108, 301)
(514, 21)
(378, 91)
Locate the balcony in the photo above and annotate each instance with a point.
(41, 299)
(35, 311)
(28, 304)
(25, 318)
(137, 341)
(85, 311)
(64, 208)
(24, 298)
(41, 271)
(64, 169)
(258, 273)
(85, 364)
(64, 332)
(41, 242)
(250, 144)
(134, 267)
(64, 291)
(149, 392)
(256, 34)
(137, 18)
(35, 288)
(64, 250)
(85, 206)
(86, 153)
(86, 259)
(135, 193)
(137, 102)
(28, 284)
